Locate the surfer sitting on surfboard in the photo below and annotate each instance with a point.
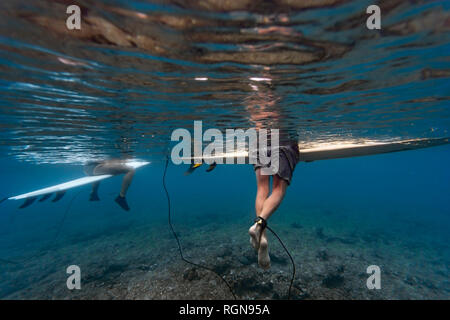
(113, 167)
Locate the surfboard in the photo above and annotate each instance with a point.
(325, 150)
(61, 188)
(357, 148)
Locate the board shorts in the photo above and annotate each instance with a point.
(95, 168)
(89, 167)
(289, 156)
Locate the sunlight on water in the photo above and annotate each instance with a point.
(136, 71)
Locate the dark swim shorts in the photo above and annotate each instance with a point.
(289, 156)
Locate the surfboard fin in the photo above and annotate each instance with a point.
(59, 195)
(211, 167)
(45, 197)
(27, 202)
(192, 168)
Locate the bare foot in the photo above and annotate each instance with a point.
(254, 232)
(263, 252)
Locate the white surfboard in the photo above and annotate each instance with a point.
(340, 149)
(357, 148)
(59, 189)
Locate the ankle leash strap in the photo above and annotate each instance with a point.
(262, 222)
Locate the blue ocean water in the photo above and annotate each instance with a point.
(138, 70)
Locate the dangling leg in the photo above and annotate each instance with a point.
(126, 183)
(94, 192)
(270, 205)
(274, 200)
(121, 200)
(89, 170)
(117, 167)
(262, 191)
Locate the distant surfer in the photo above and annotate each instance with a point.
(113, 167)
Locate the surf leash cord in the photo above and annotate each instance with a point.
(263, 223)
(178, 240)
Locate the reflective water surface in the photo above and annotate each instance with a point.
(138, 69)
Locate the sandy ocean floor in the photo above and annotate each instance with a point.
(143, 262)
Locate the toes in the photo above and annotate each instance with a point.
(265, 266)
(252, 242)
(264, 263)
(263, 255)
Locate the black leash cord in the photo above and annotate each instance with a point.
(178, 240)
(290, 257)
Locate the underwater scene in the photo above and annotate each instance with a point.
(98, 97)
